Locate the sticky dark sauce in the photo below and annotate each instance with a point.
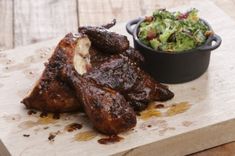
(31, 112)
(51, 137)
(159, 106)
(85, 136)
(43, 114)
(56, 116)
(26, 135)
(137, 113)
(72, 127)
(110, 140)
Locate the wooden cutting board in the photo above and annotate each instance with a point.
(203, 115)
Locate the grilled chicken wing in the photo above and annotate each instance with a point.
(121, 71)
(51, 94)
(107, 109)
(105, 40)
(123, 74)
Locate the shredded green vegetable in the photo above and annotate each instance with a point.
(173, 31)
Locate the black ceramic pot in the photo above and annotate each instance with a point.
(170, 67)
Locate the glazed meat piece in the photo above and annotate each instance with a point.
(106, 43)
(122, 74)
(105, 40)
(98, 57)
(51, 94)
(107, 109)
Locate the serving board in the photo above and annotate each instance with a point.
(207, 119)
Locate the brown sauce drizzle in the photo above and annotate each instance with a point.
(31, 112)
(72, 127)
(159, 106)
(56, 116)
(110, 140)
(27, 124)
(26, 135)
(43, 114)
(85, 136)
(137, 113)
(153, 110)
(52, 135)
(150, 112)
(46, 120)
(178, 108)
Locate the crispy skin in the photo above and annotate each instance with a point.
(51, 94)
(105, 40)
(123, 74)
(57, 97)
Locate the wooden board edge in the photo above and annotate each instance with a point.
(3, 150)
(210, 136)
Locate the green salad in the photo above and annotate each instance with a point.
(173, 31)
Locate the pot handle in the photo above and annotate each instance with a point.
(207, 47)
(130, 24)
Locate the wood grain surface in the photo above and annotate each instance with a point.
(99, 12)
(6, 24)
(29, 21)
(103, 11)
(40, 20)
(223, 150)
